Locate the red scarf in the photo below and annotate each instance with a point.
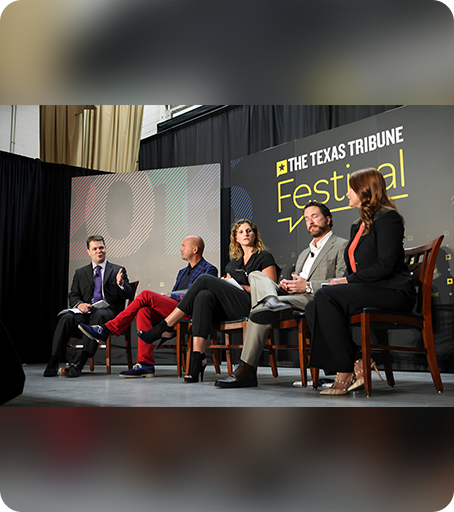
(353, 245)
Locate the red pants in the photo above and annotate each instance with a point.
(150, 308)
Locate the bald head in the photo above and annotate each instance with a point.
(197, 241)
(192, 249)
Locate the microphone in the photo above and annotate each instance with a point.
(312, 254)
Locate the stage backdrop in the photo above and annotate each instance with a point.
(144, 216)
(411, 146)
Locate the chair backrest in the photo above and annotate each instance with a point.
(134, 285)
(421, 262)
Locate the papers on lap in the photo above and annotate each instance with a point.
(233, 282)
(101, 304)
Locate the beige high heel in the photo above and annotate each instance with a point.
(338, 391)
(359, 374)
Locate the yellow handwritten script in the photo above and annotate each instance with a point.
(331, 190)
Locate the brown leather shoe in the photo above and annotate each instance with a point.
(245, 376)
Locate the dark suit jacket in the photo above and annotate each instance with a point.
(379, 256)
(83, 286)
(202, 268)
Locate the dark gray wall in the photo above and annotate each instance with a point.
(272, 186)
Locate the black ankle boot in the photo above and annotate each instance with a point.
(197, 365)
(245, 376)
(155, 333)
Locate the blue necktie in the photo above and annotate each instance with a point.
(98, 285)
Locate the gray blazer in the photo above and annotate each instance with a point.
(328, 264)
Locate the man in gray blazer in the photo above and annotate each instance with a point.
(322, 261)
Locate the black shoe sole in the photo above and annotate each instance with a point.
(268, 316)
(70, 376)
(101, 342)
(236, 384)
(145, 375)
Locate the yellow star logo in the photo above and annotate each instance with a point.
(281, 168)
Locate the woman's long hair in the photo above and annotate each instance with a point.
(370, 186)
(235, 249)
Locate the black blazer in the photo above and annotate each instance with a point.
(379, 256)
(83, 287)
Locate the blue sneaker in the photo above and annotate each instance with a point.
(137, 371)
(94, 332)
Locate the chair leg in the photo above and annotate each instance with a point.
(228, 353)
(178, 330)
(302, 351)
(365, 345)
(108, 354)
(128, 347)
(185, 356)
(188, 350)
(92, 365)
(272, 352)
(382, 338)
(428, 338)
(388, 368)
(315, 373)
(215, 352)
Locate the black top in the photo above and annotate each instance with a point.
(258, 261)
(379, 256)
(185, 280)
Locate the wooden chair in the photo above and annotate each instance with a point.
(421, 261)
(127, 334)
(240, 325)
(184, 348)
(227, 327)
(182, 329)
(303, 347)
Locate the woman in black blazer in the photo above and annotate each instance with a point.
(376, 276)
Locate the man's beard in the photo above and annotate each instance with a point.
(320, 230)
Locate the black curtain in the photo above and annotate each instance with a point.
(234, 131)
(35, 209)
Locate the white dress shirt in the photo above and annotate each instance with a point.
(315, 250)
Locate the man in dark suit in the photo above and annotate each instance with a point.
(100, 280)
(152, 307)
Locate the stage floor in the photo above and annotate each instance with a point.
(97, 389)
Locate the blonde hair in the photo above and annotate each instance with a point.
(235, 249)
(370, 186)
